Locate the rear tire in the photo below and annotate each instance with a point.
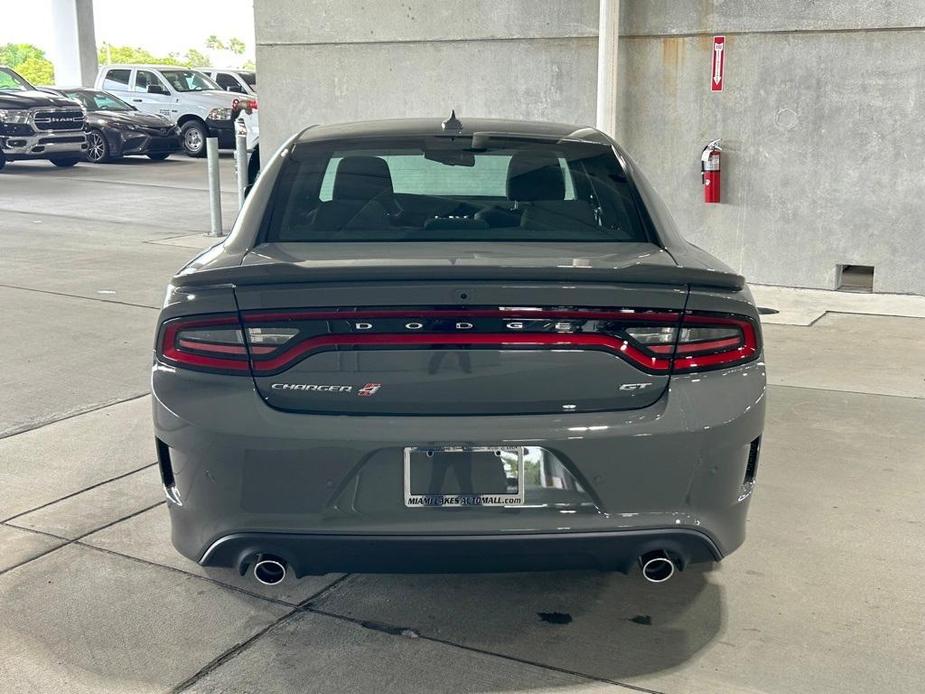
(159, 156)
(65, 162)
(193, 134)
(253, 166)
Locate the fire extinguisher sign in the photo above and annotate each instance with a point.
(718, 64)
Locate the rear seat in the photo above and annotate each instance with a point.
(535, 182)
(362, 188)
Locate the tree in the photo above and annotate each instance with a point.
(195, 58)
(14, 54)
(37, 71)
(109, 54)
(29, 61)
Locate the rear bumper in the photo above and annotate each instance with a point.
(310, 554)
(326, 491)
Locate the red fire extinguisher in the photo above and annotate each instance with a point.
(709, 171)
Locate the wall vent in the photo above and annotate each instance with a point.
(855, 278)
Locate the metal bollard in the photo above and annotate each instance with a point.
(240, 160)
(215, 188)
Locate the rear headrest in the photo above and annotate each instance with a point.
(535, 176)
(361, 178)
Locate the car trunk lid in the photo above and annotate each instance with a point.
(516, 329)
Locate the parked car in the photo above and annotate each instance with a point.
(36, 125)
(233, 80)
(247, 122)
(467, 346)
(117, 129)
(249, 126)
(190, 99)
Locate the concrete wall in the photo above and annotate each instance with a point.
(821, 117)
(323, 61)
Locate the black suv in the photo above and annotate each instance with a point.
(36, 125)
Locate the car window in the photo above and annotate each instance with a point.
(224, 80)
(188, 80)
(98, 101)
(435, 188)
(145, 78)
(117, 79)
(10, 81)
(249, 77)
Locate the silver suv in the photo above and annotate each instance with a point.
(37, 125)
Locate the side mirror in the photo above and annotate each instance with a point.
(157, 89)
(234, 88)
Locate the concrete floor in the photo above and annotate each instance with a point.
(824, 596)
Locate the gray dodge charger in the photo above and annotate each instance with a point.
(456, 346)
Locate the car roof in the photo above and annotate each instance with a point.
(239, 70)
(150, 66)
(422, 126)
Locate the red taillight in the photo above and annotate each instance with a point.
(321, 343)
(708, 341)
(469, 328)
(208, 343)
(659, 342)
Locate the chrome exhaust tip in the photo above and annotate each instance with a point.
(270, 570)
(657, 567)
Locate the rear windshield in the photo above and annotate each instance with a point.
(443, 188)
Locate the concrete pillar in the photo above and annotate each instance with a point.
(607, 44)
(74, 50)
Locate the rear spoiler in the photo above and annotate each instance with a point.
(288, 273)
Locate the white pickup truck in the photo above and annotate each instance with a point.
(188, 97)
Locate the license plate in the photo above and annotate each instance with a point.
(458, 476)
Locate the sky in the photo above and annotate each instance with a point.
(160, 26)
